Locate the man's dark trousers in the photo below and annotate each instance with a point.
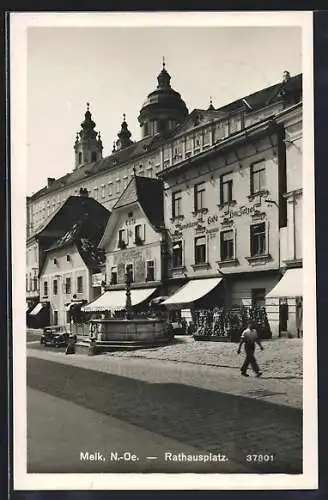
(250, 360)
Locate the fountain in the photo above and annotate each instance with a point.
(129, 332)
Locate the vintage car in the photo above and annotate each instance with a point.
(56, 335)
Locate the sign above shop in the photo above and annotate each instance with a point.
(97, 279)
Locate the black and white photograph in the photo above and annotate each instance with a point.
(164, 332)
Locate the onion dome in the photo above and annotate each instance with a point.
(124, 135)
(88, 126)
(163, 109)
(211, 107)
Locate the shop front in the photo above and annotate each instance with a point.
(288, 296)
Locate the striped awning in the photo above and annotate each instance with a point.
(115, 300)
(192, 291)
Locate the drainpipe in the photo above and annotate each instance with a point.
(273, 202)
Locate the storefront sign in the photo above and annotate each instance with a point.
(243, 210)
(97, 279)
(217, 218)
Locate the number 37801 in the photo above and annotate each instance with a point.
(259, 458)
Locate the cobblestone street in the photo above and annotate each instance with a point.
(281, 357)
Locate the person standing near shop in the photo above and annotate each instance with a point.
(249, 338)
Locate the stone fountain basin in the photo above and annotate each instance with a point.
(113, 334)
(107, 330)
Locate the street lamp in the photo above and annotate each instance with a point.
(128, 303)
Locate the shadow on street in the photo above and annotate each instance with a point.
(207, 420)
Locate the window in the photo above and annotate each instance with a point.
(93, 156)
(188, 143)
(68, 258)
(177, 254)
(129, 272)
(27, 287)
(206, 137)
(227, 245)
(68, 285)
(80, 284)
(35, 284)
(199, 195)
(113, 276)
(110, 189)
(258, 297)
(125, 181)
(80, 158)
(146, 130)
(95, 193)
(55, 287)
(176, 204)
(122, 238)
(55, 317)
(139, 234)
(258, 246)
(150, 270)
(226, 188)
(45, 288)
(118, 185)
(103, 191)
(258, 177)
(200, 250)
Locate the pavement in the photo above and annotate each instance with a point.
(53, 447)
(188, 396)
(208, 365)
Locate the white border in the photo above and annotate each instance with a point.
(19, 22)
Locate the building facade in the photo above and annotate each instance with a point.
(134, 244)
(232, 193)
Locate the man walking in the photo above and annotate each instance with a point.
(249, 337)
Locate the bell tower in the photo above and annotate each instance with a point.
(88, 145)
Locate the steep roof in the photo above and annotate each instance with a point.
(80, 221)
(89, 222)
(149, 193)
(60, 221)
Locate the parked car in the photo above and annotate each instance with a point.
(56, 335)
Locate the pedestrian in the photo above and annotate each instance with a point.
(249, 338)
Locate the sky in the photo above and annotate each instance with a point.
(115, 68)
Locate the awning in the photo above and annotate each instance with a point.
(115, 300)
(192, 291)
(290, 285)
(36, 309)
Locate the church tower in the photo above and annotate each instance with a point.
(123, 136)
(163, 109)
(88, 145)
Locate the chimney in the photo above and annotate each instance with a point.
(50, 181)
(84, 192)
(285, 76)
